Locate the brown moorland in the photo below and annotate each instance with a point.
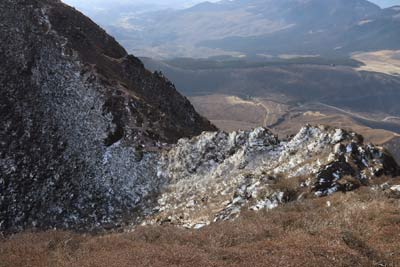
(360, 228)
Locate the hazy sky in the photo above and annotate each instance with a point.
(164, 3)
(175, 3)
(386, 3)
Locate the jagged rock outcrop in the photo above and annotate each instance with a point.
(87, 138)
(214, 176)
(78, 117)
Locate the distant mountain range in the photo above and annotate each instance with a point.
(262, 28)
(386, 3)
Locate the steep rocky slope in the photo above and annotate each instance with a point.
(78, 115)
(87, 139)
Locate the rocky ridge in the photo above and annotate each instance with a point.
(214, 176)
(88, 135)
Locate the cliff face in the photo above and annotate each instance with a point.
(79, 116)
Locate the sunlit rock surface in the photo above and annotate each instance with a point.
(214, 176)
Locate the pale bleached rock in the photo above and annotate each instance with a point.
(215, 176)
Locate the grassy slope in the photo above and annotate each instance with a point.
(358, 229)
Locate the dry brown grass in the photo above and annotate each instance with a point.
(231, 113)
(360, 228)
(384, 61)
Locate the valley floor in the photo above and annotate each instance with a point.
(360, 228)
(383, 61)
(232, 113)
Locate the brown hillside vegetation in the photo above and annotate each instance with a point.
(384, 61)
(360, 228)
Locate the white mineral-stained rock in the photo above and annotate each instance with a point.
(219, 174)
(395, 188)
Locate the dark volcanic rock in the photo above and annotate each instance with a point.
(78, 119)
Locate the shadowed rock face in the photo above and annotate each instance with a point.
(79, 116)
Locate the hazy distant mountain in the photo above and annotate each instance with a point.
(93, 4)
(264, 27)
(108, 13)
(323, 27)
(386, 3)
